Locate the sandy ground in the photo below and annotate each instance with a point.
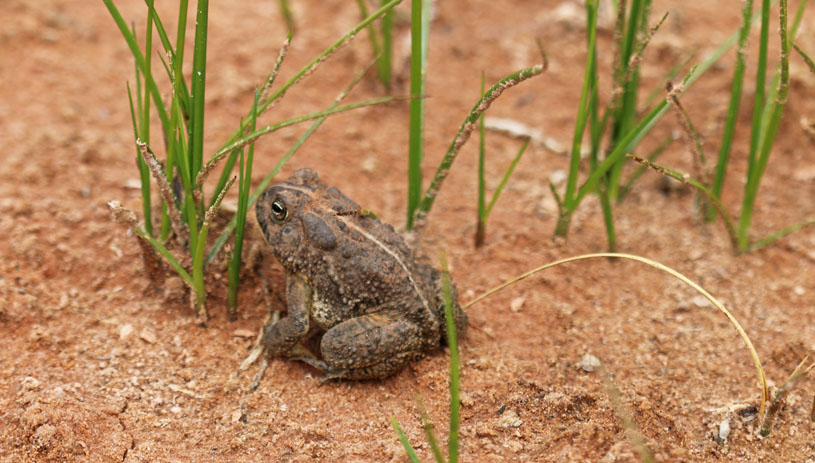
(99, 363)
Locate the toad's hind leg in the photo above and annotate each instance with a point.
(368, 347)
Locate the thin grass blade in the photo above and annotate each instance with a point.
(505, 178)
(165, 253)
(418, 68)
(757, 166)
(733, 108)
(429, 433)
(199, 76)
(411, 453)
(144, 173)
(452, 342)
(130, 39)
(244, 185)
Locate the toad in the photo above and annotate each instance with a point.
(352, 278)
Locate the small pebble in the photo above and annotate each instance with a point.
(125, 331)
(724, 430)
(30, 383)
(148, 336)
(243, 333)
(558, 176)
(517, 304)
(701, 302)
(799, 290)
(133, 184)
(509, 419)
(590, 363)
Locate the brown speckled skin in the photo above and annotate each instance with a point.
(354, 278)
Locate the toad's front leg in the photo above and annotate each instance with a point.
(279, 338)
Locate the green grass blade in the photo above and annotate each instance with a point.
(375, 46)
(780, 234)
(144, 173)
(168, 257)
(144, 127)
(733, 109)
(768, 138)
(405, 442)
(181, 31)
(583, 109)
(199, 75)
(363, 11)
(288, 17)
(180, 39)
(760, 86)
(626, 81)
(418, 67)
(505, 179)
(198, 256)
(244, 185)
(452, 342)
(384, 63)
(480, 229)
(772, 89)
(130, 39)
(429, 433)
(806, 58)
(608, 217)
(171, 52)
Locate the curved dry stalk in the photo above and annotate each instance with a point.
(765, 394)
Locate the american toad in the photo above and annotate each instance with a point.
(354, 278)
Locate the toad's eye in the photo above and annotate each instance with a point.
(279, 210)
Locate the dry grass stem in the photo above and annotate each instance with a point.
(687, 179)
(210, 214)
(121, 214)
(181, 232)
(693, 138)
(636, 58)
(284, 49)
